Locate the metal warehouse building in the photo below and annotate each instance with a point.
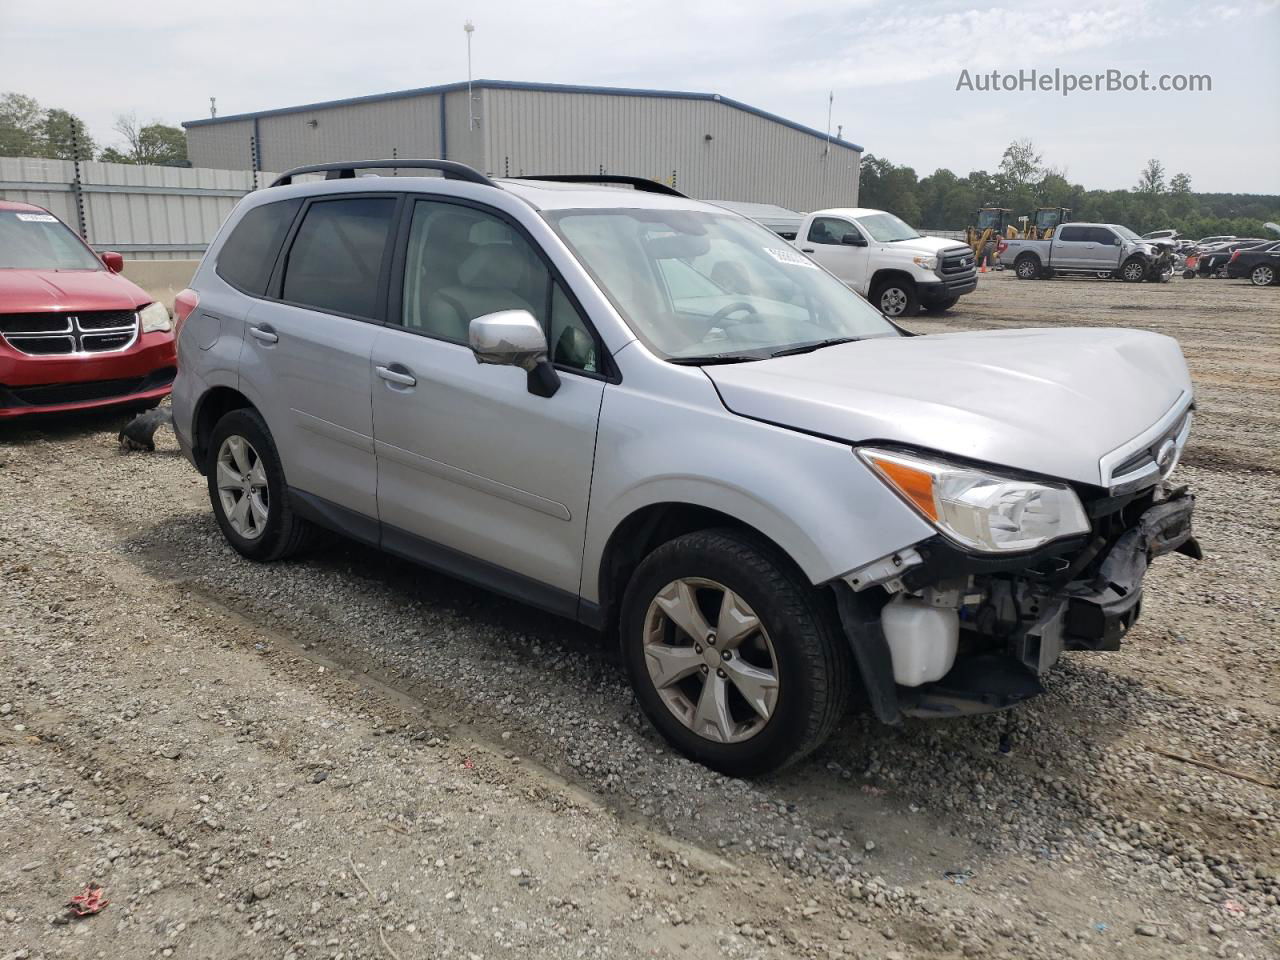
(705, 145)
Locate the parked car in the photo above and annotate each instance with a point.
(1160, 235)
(1261, 264)
(74, 334)
(1091, 249)
(769, 496)
(889, 262)
(1205, 242)
(785, 223)
(1213, 261)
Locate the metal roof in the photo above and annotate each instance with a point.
(521, 85)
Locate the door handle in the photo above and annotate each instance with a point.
(264, 333)
(395, 376)
(806, 249)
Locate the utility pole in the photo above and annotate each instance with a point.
(469, 28)
(213, 106)
(831, 100)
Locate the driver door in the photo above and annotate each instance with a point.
(829, 243)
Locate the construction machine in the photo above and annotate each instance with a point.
(1045, 221)
(993, 226)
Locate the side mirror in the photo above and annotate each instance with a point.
(513, 338)
(113, 261)
(849, 240)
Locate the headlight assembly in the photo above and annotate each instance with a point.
(979, 509)
(155, 318)
(927, 263)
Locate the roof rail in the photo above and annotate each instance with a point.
(639, 183)
(346, 170)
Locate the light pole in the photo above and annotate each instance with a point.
(469, 28)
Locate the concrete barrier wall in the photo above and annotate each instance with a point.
(161, 279)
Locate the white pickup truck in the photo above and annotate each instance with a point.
(887, 261)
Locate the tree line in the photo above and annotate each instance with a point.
(945, 201)
(28, 129)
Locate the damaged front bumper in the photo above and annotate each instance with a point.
(1015, 615)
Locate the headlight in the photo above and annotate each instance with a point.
(155, 318)
(927, 263)
(981, 510)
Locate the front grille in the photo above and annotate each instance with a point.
(53, 334)
(956, 261)
(1144, 465)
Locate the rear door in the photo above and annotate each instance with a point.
(305, 360)
(826, 243)
(477, 475)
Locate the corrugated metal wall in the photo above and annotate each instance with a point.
(144, 212)
(749, 157)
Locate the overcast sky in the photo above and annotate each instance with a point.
(893, 66)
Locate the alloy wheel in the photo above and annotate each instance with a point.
(1133, 271)
(710, 660)
(893, 301)
(1263, 275)
(1027, 269)
(242, 487)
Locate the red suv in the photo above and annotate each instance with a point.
(74, 334)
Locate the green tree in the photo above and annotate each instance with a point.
(1152, 178)
(20, 126)
(1020, 166)
(63, 133)
(156, 143)
(1180, 184)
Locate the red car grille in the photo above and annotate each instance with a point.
(53, 334)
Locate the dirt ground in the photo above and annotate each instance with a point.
(347, 756)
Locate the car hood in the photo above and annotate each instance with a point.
(32, 291)
(1052, 402)
(921, 245)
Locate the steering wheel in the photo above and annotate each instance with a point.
(724, 312)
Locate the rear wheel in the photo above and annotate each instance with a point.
(734, 657)
(1133, 270)
(1027, 267)
(1263, 275)
(896, 298)
(248, 491)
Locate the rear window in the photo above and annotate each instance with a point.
(249, 254)
(1071, 234)
(336, 257)
(36, 240)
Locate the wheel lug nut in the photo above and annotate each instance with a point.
(711, 640)
(697, 648)
(725, 654)
(703, 668)
(721, 674)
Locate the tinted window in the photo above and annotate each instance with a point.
(831, 230)
(1073, 234)
(1103, 236)
(249, 254)
(336, 257)
(462, 263)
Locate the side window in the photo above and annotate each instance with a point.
(1073, 234)
(336, 257)
(1103, 236)
(462, 263)
(831, 230)
(249, 254)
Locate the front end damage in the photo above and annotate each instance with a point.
(939, 631)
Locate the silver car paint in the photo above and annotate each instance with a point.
(1054, 403)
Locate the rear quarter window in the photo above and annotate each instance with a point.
(249, 254)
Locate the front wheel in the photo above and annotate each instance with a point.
(248, 490)
(733, 656)
(1133, 270)
(1263, 275)
(896, 298)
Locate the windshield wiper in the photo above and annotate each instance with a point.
(714, 358)
(810, 347)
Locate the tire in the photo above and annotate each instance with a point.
(1133, 270)
(941, 306)
(797, 638)
(1188, 274)
(1263, 275)
(896, 298)
(275, 531)
(1027, 267)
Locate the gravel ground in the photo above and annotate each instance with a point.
(348, 756)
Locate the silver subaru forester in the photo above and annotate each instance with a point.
(654, 416)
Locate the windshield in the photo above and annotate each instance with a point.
(35, 240)
(707, 286)
(1125, 232)
(886, 228)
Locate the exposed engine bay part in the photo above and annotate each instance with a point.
(884, 571)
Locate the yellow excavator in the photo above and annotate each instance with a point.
(1045, 221)
(993, 225)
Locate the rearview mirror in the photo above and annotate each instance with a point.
(850, 240)
(514, 338)
(113, 261)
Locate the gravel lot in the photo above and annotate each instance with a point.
(348, 756)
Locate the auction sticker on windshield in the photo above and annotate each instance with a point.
(790, 257)
(37, 218)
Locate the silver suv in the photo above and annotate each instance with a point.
(654, 416)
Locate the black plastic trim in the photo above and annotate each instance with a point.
(346, 170)
(639, 183)
(860, 617)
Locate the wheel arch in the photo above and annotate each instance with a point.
(212, 406)
(886, 274)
